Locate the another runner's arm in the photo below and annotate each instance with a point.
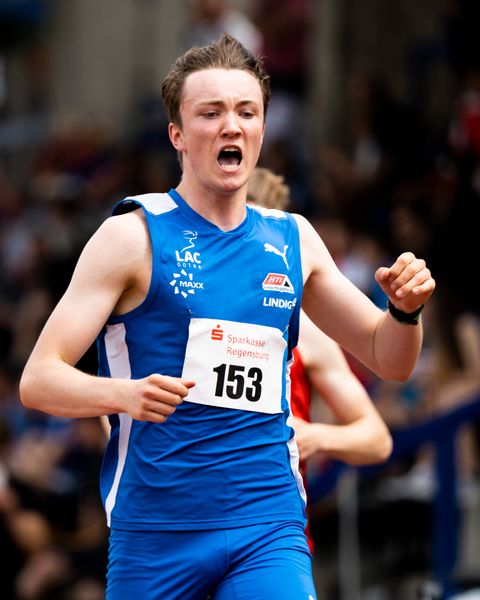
(387, 347)
(104, 274)
(361, 436)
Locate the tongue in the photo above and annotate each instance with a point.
(228, 161)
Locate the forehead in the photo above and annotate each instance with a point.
(221, 85)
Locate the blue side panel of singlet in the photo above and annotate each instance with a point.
(206, 467)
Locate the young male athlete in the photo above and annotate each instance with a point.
(195, 300)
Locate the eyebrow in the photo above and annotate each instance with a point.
(221, 102)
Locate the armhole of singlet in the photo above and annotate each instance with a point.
(295, 318)
(122, 207)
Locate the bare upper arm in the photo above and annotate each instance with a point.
(331, 301)
(110, 270)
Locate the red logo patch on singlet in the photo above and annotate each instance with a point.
(277, 282)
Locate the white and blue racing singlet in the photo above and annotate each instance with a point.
(222, 310)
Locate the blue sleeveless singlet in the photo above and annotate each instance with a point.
(222, 309)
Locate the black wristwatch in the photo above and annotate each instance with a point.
(403, 317)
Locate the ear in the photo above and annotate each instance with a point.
(176, 137)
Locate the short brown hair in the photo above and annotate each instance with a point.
(226, 53)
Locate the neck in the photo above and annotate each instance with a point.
(227, 211)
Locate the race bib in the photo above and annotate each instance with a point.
(235, 365)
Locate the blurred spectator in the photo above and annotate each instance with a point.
(464, 132)
(54, 515)
(388, 157)
(209, 19)
(285, 29)
(459, 174)
(269, 187)
(463, 44)
(51, 520)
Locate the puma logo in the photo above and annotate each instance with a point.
(269, 248)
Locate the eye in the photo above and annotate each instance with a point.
(247, 114)
(210, 114)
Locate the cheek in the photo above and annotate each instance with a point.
(198, 150)
(199, 137)
(256, 139)
(256, 134)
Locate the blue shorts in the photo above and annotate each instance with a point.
(257, 562)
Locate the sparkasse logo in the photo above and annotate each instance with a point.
(217, 333)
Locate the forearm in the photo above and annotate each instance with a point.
(55, 387)
(359, 443)
(396, 347)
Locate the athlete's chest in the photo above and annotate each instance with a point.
(252, 277)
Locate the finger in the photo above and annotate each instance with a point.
(386, 275)
(407, 274)
(162, 395)
(426, 288)
(152, 417)
(410, 282)
(150, 410)
(382, 274)
(188, 384)
(158, 408)
(171, 384)
(403, 270)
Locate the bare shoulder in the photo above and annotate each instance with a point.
(313, 250)
(304, 225)
(129, 228)
(115, 251)
(123, 236)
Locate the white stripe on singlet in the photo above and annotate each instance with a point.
(119, 365)
(292, 443)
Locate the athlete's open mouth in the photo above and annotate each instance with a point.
(229, 157)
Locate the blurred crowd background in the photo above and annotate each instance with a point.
(375, 125)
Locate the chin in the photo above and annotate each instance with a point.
(233, 183)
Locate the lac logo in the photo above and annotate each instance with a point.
(188, 257)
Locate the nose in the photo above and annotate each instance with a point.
(230, 126)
